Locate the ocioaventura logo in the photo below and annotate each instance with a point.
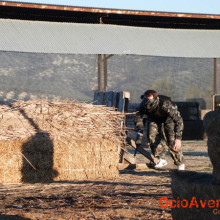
(164, 202)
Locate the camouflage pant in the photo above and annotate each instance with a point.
(161, 135)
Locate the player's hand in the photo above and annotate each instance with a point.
(177, 145)
(140, 132)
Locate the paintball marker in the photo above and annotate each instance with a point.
(138, 140)
(136, 144)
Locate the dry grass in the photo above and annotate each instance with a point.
(63, 140)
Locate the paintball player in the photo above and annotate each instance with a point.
(163, 121)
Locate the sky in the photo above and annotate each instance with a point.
(184, 6)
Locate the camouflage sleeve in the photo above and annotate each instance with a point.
(173, 112)
(139, 125)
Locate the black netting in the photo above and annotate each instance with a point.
(58, 76)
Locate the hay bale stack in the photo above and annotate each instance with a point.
(63, 140)
(211, 123)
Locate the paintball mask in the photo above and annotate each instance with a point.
(151, 104)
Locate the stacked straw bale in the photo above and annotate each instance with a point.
(63, 140)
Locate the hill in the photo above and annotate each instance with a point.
(55, 76)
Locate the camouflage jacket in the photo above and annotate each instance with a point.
(166, 108)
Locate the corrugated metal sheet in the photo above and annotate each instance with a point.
(74, 38)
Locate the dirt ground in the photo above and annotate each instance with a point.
(134, 195)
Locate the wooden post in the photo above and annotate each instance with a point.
(101, 60)
(215, 76)
(105, 74)
(99, 73)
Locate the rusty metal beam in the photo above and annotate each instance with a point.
(108, 11)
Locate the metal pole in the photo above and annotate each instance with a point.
(105, 74)
(215, 76)
(99, 73)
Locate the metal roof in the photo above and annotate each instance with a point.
(106, 11)
(78, 38)
(57, 13)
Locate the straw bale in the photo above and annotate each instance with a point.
(212, 127)
(192, 188)
(63, 140)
